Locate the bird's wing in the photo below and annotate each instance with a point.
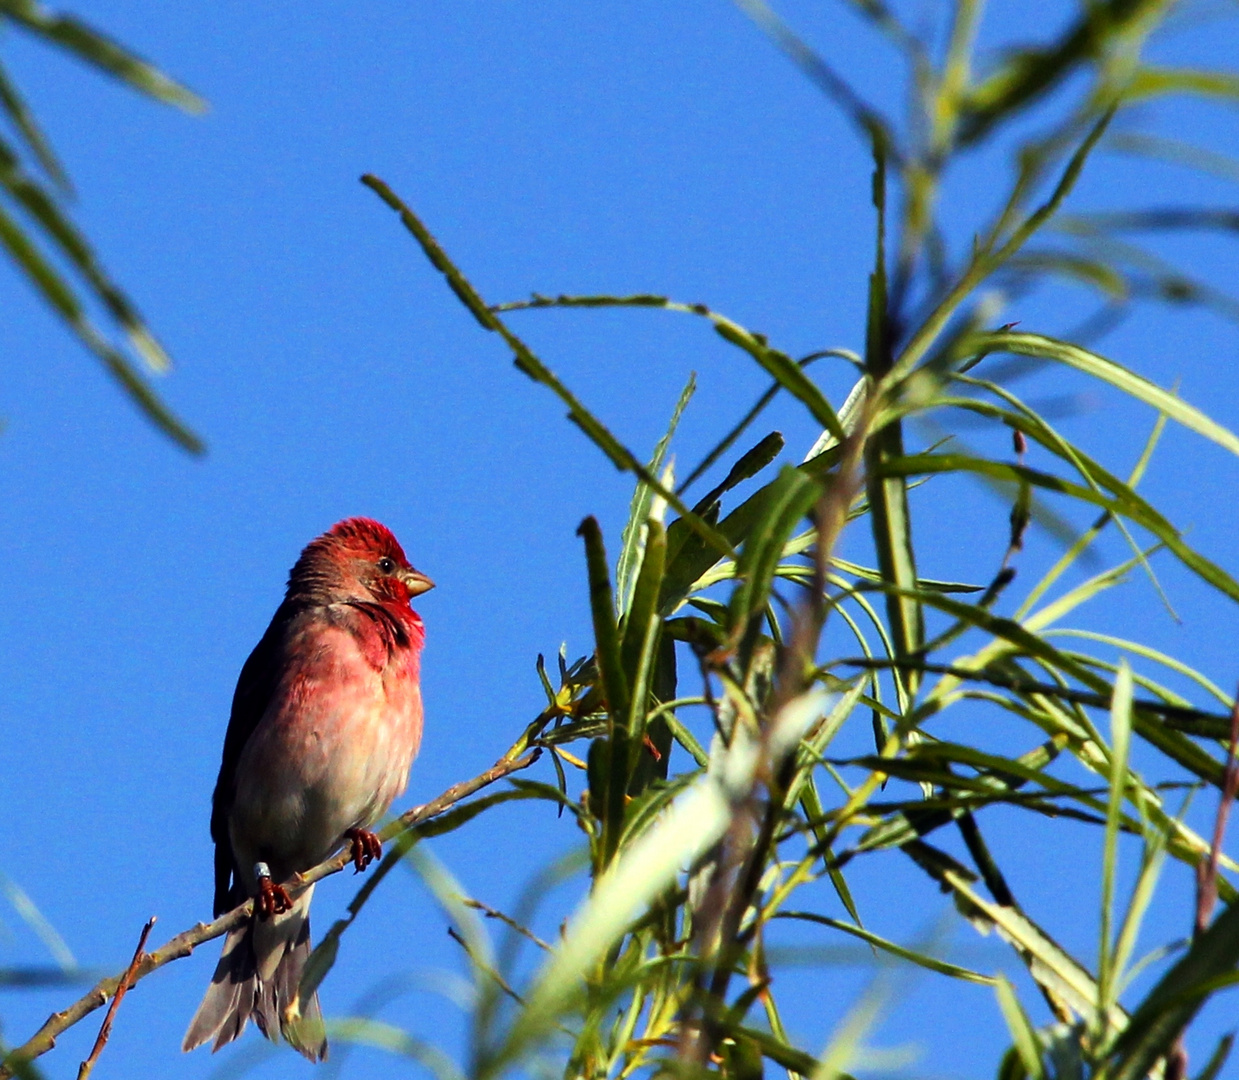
(255, 688)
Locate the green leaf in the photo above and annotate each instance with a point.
(792, 496)
(30, 914)
(748, 465)
(101, 51)
(930, 963)
(1151, 81)
(1096, 273)
(1178, 996)
(632, 540)
(1116, 375)
(1027, 1045)
(639, 651)
(364, 1031)
(1125, 502)
(61, 297)
(23, 120)
(690, 827)
(786, 372)
(42, 208)
(1217, 1059)
(1120, 740)
(610, 801)
(528, 363)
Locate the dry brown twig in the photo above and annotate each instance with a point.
(185, 942)
(126, 981)
(1206, 871)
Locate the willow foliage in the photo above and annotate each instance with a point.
(714, 604)
(718, 602)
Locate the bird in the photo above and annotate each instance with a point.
(326, 721)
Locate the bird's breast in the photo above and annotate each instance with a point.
(331, 752)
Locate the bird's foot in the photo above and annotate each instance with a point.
(272, 899)
(366, 847)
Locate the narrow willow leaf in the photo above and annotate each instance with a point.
(1177, 997)
(1024, 1036)
(1177, 151)
(612, 753)
(632, 539)
(57, 227)
(864, 116)
(1096, 273)
(530, 365)
(40, 272)
(1025, 420)
(686, 739)
(867, 573)
(642, 628)
(785, 371)
(1116, 375)
(1141, 897)
(1213, 1068)
(1077, 549)
(793, 494)
(62, 298)
(748, 465)
(1120, 740)
(848, 415)
(23, 120)
(778, 1051)
(930, 963)
(364, 1031)
(690, 827)
(1126, 503)
(28, 911)
(1149, 653)
(1051, 966)
(1151, 82)
(101, 51)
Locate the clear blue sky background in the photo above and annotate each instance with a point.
(604, 147)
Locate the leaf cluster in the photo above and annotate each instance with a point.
(716, 610)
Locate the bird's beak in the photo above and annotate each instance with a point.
(416, 582)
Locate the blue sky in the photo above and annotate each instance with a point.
(558, 147)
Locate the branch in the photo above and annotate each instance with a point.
(184, 943)
(126, 981)
(1206, 872)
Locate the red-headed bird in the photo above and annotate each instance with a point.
(326, 720)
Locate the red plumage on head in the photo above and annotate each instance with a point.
(326, 563)
(362, 535)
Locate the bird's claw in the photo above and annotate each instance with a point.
(272, 899)
(366, 847)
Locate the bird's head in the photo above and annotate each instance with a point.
(356, 559)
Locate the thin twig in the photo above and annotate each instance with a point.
(1207, 870)
(185, 942)
(1206, 877)
(495, 913)
(126, 981)
(500, 981)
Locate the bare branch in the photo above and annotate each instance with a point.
(185, 942)
(1206, 871)
(126, 981)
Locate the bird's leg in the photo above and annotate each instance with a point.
(366, 847)
(272, 899)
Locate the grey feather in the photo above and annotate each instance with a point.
(238, 992)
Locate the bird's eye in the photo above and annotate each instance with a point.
(386, 565)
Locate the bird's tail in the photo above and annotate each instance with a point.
(258, 976)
